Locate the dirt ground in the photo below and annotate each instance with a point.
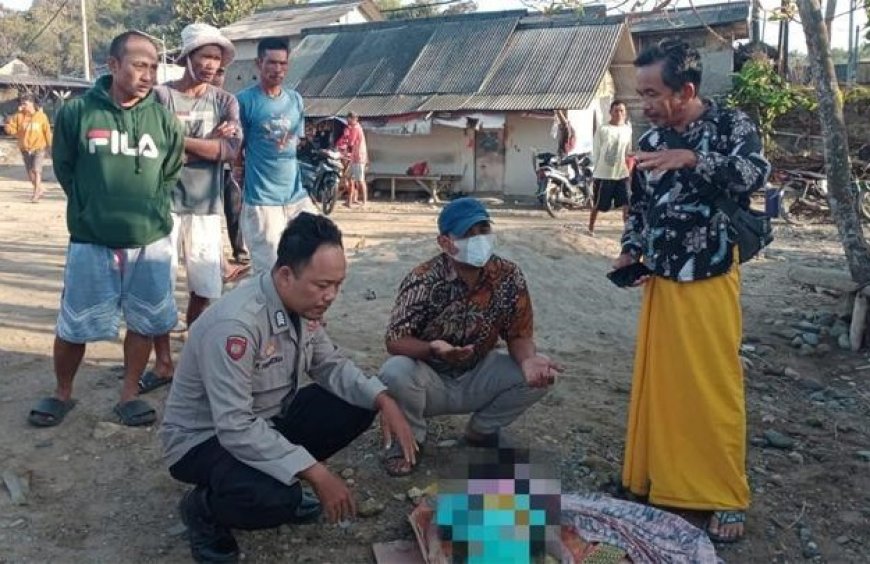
(97, 498)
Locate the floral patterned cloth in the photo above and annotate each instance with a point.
(672, 223)
(646, 534)
(435, 304)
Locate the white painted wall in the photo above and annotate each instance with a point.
(446, 150)
(523, 133)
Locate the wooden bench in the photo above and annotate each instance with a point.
(432, 183)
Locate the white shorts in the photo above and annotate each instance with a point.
(357, 172)
(200, 238)
(262, 227)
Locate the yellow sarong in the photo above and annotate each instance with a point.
(686, 438)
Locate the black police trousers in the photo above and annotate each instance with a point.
(241, 497)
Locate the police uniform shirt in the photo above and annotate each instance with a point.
(240, 365)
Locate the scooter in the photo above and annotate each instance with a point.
(321, 174)
(564, 183)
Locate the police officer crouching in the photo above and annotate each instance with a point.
(237, 426)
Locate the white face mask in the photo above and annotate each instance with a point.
(476, 250)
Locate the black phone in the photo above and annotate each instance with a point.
(628, 275)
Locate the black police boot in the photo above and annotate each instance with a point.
(308, 510)
(210, 542)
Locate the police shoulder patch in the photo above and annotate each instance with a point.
(236, 346)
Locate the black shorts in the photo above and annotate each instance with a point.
(610, 194)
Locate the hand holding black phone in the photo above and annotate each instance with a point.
(628, 275)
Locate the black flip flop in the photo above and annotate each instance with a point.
(135, 413)
(50, 411)
(150, 381)
(395, 453)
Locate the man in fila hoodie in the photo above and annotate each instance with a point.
(117, 154)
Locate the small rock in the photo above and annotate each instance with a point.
(818, 397)
(449, 443)
(810, 384)
(779, 323)
(797, 342)
(814, 422)
(757, 442)
(810, 338)
(776, 439)
(767, 398)
(807, 327)
(789, 311)
(768, 418)
(790, 372)
(414, 494)
(370, 295)
(350, 482)
(370, 508)
(807, 350)
(347, 473)
(177, 530)
(399, 496)
(863, 455)
(769, 321)
(826, 318)
(843, 539)
(839, 329)
(824, 348)
(583, 429)
(43, 444)
(844, 343)
(598, 464)
(786, 333)
(796, 457)
(104, 430)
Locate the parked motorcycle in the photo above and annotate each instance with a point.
(802, 196)
(321, 175)
(563, 183)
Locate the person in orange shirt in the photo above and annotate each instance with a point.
(30, 125)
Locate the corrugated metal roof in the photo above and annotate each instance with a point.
(688, 18)
(416, 57)
(286, 22)
(47, 81)
(437, 65)
(458, 56)
(554, 60)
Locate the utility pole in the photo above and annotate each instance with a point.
(85, 51)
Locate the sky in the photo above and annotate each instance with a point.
(796, 36)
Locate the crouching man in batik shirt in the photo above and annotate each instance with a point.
(447, 320)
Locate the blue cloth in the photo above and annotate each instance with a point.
(99, 284)
(272, 128)
(460, 215)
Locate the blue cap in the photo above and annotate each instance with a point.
(460, 215)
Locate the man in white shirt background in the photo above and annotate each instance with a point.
(610, 172)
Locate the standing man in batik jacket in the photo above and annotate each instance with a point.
(686, 442)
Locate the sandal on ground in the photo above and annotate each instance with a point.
(135, 413)
(394, 462)
(150, 381)
(50, 411)
(725, 518)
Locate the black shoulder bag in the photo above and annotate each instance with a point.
(750, 229)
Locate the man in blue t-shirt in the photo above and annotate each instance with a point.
(273, 121)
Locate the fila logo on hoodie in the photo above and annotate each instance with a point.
(119, 143)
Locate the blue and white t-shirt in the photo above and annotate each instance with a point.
(272, 127)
